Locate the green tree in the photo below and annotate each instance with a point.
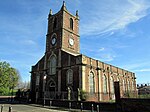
(9, 77)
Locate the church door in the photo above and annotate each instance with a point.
(51, 90)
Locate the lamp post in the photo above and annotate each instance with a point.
(44, 80)
(69, 93)
(79, 94)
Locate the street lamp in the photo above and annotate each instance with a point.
(44, 77)
(44, 80)
(69, 92)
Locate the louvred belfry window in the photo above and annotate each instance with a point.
(71, 23)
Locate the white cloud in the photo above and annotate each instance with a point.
(137, 65)
(143, 70)
(29, 42)
(108, 16)
(102, 54)
(105, 54)
(107, 57)
(102, 49)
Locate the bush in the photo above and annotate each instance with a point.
(83, 95)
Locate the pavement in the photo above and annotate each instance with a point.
(35, 108)
(28, 108)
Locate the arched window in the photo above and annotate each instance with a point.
(69, 76)
(52, 65)
(111, 84)
(128, 85)
(123, 85)
(132, 85)
(37, 79)
(91, 83)
(104, 83)
(119, 80)
(55, 23)
(71, 23)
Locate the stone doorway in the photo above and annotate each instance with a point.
(51, 90)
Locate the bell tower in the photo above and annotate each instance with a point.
(63, 31)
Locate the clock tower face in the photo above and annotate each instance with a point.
(53, 39)
(71, 41)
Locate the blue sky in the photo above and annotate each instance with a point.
(113, 31)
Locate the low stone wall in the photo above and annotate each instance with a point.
(82, 104)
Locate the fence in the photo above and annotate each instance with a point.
(82, 105)
(84, 96)
(61, 95)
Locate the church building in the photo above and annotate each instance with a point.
(64, 73)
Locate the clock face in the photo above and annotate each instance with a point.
(71, 41)
(53, 41)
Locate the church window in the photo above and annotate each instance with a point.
(123, 85)
(71, 23)
(55, 23)
(128, 85)
(52, 65)
(112, 84)
(69, 76)
(132, 85)
(91, 83)
(37, 80)
(104, 83)
(107, 68)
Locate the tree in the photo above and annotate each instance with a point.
(23, 85)
(9, 77)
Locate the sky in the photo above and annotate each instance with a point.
(113, 31)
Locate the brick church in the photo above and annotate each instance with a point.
(64, 73)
